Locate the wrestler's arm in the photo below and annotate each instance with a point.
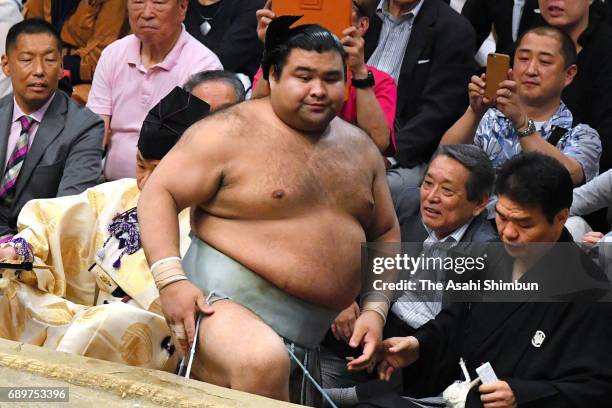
(384, 227)
(188, 175)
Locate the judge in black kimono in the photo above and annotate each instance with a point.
(550, 349)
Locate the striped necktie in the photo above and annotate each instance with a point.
(16, 160)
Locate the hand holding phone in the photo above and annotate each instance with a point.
(476, 91)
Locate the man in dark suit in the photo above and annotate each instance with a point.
(50, 146)
(545, 354)
(429, 50)
(508, 18)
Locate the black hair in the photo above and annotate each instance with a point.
(280, 41)
(481, 178)
(229, 78)
(31, 26)
(366, 8)
(535, 180)
(566, 45)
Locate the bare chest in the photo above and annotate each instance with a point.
(280, 181)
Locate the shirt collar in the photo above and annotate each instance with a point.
(169, 62)
(456, 235)
(562, 118)
(36, 115)
(383, 10)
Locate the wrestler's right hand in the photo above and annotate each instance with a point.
(398, 352)
(180, 303)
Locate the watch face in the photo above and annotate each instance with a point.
(531, 129)
(368, 82)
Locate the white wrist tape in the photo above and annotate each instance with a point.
(376, 302)
(163, 260)
(167, 272)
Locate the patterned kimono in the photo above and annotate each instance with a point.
(71, 307)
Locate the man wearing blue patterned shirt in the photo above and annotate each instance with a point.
(528, 114)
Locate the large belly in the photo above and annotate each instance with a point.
(314, 256)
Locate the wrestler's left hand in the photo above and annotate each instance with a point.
(180, 302)
(497, 395)
(367, 333)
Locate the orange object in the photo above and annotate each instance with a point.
(497, 72)
(335, 15)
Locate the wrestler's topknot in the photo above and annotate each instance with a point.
(281, 39)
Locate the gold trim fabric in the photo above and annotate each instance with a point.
(58, 311)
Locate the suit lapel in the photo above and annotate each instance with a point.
(6, 116)
(419, 39)
(49, 129)
(372, 36)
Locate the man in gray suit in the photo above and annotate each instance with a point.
(49, 145)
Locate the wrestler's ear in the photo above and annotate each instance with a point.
(272, 77)
(272, 80)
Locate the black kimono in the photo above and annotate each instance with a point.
(551, 354)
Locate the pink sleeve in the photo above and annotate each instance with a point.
(100, 97)
(386, 94)
(257, 77)
(210, 62)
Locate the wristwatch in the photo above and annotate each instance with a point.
(529, 130)
(367, 82)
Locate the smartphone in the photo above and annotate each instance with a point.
(334, 15)
(497, 71)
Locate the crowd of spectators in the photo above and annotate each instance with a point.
(81, 79)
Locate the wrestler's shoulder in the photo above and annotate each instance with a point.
(244, 114)
(351, 135)
(219, 124)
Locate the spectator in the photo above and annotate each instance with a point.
(506, 18)
(219, 89)
(229, 29)
(537, 349)
(9, 15)
(79, 237)
(588, 198)
(589, 96)
(86, 27)
(134, 73)
(51, 146)
(372, 93)
(428, 48)
(453, 197)
(543, 66)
